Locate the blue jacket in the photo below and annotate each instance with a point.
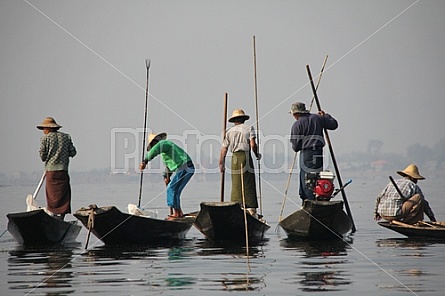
(307, 131)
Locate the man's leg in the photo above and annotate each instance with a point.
(412, 209)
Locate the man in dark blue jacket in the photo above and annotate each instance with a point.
(307, 138)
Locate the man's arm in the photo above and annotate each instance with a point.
(330, 122)
(222, 159)
(428, 211)
(254, 148)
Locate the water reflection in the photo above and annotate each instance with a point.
(412, 243)
(245, 282)
(323, 264)
(47, 269)
(234, 248)
(239, 269)
(147, 267)
(411, 275)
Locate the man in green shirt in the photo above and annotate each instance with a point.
(176, 161)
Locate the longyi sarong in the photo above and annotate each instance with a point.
(58, 192)
(244, 158)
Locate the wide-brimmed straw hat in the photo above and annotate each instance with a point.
(411, 171)
(49, 122)
(298, 107)
(158, 137)
(238, 114)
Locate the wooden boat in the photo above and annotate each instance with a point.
(39, 228)
(317, 220)
(422, 229)
(114, 227)
(224, 221)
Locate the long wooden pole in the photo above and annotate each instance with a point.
(257, 125)
(295, 156)
(287, 188)
(246, 228)
(147, 66)
(223, 175)
(397, 187)
(318, 81)
(331, 150)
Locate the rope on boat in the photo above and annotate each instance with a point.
(90, 224)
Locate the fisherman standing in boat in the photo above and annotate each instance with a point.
(408, 208)
(307, 138)
(55, 150)
(240, 141)
(177, 161)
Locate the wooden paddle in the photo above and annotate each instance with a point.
(428, 224)
(331, 150)
(402, 224)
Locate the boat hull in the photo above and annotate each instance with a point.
(39, 228)
(416, 231)
(224, 221)
(114, 227)
(317, 220)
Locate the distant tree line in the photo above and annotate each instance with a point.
(418, 153)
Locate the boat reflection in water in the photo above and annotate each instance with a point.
(408, 243)
(108, 263)
(402, 250)
(240, 271)
(323, 266)
(41, 269)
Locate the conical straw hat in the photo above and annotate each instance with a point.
(238, 114)
(152, 136)
(48, 122)
(411, 171)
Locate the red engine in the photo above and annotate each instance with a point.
(324, 186)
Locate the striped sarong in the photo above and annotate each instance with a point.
(245, 159)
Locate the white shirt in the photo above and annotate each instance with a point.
(238, 137)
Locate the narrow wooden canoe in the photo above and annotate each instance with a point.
(224, 221)
(114, 227)
(421, 229)
(317, 220)
(38, 228)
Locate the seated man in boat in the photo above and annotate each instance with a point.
(177, 161)
(408, 208)
(240, 141)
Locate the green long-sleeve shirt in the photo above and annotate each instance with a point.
(172, 155)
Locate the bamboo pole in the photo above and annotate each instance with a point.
(223, 175)
(257, 125)
(331, 150)
(147, 66)
(245, 212)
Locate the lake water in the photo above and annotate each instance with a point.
(372, 261)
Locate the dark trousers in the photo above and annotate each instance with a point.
(311, 161)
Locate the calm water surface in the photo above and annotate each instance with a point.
(372, 261)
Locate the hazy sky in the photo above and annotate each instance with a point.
(83, 62)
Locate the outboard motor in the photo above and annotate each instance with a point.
(324, 186)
